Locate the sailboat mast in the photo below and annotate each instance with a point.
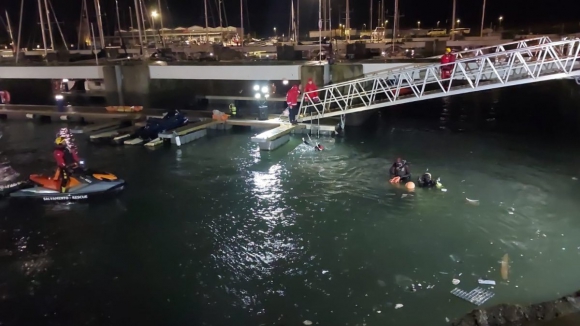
(19, 30)
(10, 31)
(100, 23)
(138, 26)
(206, 22)
(42, 26)
(347, 21)
(297, 20)
(161, 22)
(143, 22)
(132, 28)
(49, 25)
(118, 21)
(58, 25)
(220, 17)
(242, 21)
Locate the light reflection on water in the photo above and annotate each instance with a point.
(220, 231)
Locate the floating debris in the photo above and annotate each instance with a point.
(307, 322)
(455, 281)
(477, 296)
(505, 266)
(474, 202)
(486, 282)
(455, 258)
(398, 305)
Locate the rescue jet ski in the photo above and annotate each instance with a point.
(84, 184)
(171, 119)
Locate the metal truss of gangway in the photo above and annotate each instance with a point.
(519, 44)
(542, 62)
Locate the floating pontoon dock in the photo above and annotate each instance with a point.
(185, 134)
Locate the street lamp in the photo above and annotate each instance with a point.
(438, 23)
(275, 32)
(419, 25)
(458, 21)
(500, 20)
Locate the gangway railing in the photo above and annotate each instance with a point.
(542, 62)
(519, 44)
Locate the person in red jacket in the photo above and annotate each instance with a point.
(292, 101)
(446, 70)
(311, 91)
(66, 161)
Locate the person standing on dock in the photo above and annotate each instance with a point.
(447, 61)
(311, 91)
(233, 110)
(292, 101)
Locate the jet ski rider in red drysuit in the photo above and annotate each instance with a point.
(446, 70)
(66, 160)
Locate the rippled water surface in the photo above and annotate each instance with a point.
(218, 233)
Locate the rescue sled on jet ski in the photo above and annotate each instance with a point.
(84, 184)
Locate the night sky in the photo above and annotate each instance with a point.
(264, 15)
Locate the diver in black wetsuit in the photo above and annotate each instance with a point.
(318, 147)
(426, 181)
(400, 172)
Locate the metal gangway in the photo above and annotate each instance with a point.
(473, 72)
(519, 44)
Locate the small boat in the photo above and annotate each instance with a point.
(124, 108)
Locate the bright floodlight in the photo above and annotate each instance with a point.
(265, 89)
(285, 82)
(65, 80)
(154, 14)
(58, 97)
(258, 95)
(256, 88)
(267, 95)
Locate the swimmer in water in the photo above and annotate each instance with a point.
(426, 181)
(318, 147)
(400, 173)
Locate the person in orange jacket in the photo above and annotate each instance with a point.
(292, 101)
(446, 70)
(311, 91)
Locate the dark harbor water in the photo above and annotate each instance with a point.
(219, 233)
